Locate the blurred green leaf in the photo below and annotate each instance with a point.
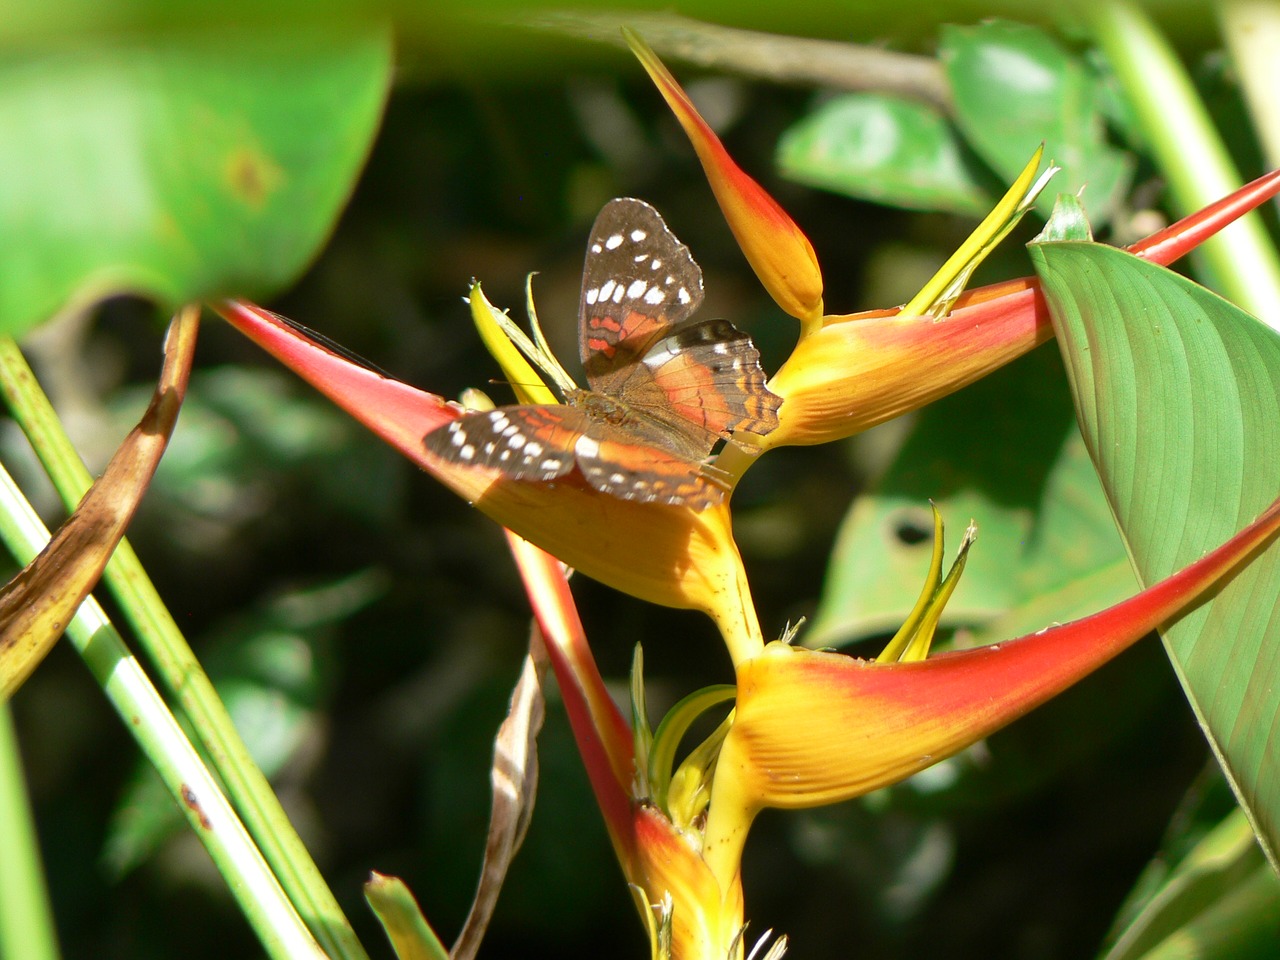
(1015, 87)
(1005, 453)
(251, 440)
(1221, 900)
(1176, 392)
(178, 167)
(885, 149)
(271, 670)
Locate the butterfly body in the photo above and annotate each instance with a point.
(663, 391)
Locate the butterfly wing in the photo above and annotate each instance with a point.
(628, 464)
(638, 282)
(707, 373)
(544, 443)
(524, 442)
(640, 286)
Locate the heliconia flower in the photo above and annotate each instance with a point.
(850, 372)
(687, 912)
(777, 249)
(671, 555)
(812, 728)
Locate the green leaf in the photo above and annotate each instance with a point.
(1067, 222)
(178, 167)
(1015, 87)
(885, 149)
(1221, 900)
(1046, 549)
(271, 668)
(1176, 392)
(411, 936)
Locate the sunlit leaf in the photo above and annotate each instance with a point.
(411, 936)
(1222, 899)
(885, 149)
(178, 166)
(1015, 86)
(1176, 392)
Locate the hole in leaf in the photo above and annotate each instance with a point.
(911, 527)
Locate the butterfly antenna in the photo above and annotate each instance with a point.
(558, 374)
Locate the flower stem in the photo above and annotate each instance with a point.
(26, 923)
(1251, 29)
(1241, 263)
(268, 910)
(182, 675)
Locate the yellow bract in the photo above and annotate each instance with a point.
(777, 249)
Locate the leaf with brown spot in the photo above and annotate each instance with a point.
(36, 605)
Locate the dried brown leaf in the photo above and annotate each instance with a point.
(37, 604)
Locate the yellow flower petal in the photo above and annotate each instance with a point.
(777, 250)
(705, 917)
(863, 369)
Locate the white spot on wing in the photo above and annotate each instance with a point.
(660, 354)
(636, 289)
(654, 296)
(586, 447)
(592, 295)
(614, 242)
(637, 235)
(596, 248)
(683, 295)
(606, 290)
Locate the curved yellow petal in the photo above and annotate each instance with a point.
(524, 380)
(812, 728)
(863, 369)
(778, 251)
(673, 556)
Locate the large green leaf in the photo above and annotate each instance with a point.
(1016, 87)
(177, 167)
(1177, 392)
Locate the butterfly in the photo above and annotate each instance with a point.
(664, 389)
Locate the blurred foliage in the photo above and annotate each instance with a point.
(178, 167)
(269, 501)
